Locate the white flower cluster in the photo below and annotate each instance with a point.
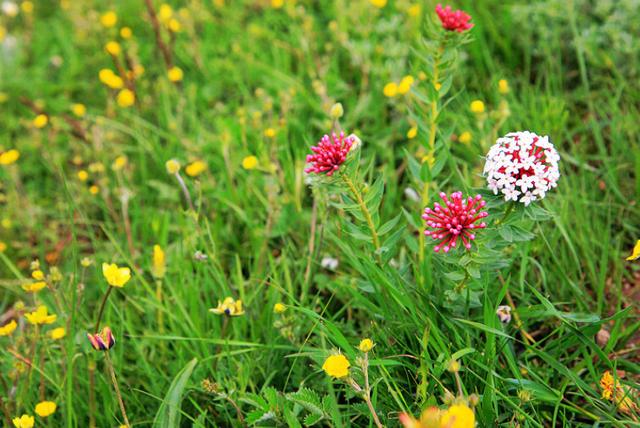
(522, 166)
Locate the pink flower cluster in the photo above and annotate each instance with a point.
(329, 154)
(453, 20)
(454, 220)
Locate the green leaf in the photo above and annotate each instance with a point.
(312, 419)
(308, 399)
(388, 226)
(168, 414)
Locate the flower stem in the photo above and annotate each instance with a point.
(365, 212)
(185, 191)
(112, 373)
(102, 305)
(507, 212)
(367, 391)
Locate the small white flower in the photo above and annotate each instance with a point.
(10, 9)
(329, 263)
(411, 194)
(504, 314)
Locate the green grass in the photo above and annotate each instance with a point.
(572, 69)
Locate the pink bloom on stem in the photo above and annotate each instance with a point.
(329, 154)
(454, 220)
(102, 341)
(453, 20)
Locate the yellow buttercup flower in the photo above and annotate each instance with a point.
(24, 421)
(458, 416)
(503, 86)
(34, 287)
(173, 166)
(94, 190)
(250, 162)
(174, 25)
(336, 366)
(412, 132)
(126, 98)
(83, 175)
(465, 137)
(40, 316)
(477, 106)
(159, 267)
(113, 48)
(116, 276)
(390, 89)
(165, 13)
(229, 306)
(79, 109)
(405, 84)
(45, 408)
(119, 163)
(175, 74)
(27, 7)
(378, 3)
(8, 328)
(9, 157)
(277, 4)
(3, 247)
(126, 33)
(269, 132)
(414, 10)
(195, 168)
(109, 78)
(365, 345)
(109, 19)
(279, 308)
(635, 254)
(40, 121)
(57, 333)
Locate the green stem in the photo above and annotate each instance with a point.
(117, 389)
(365, 211)
(102, 305)
(507, 212)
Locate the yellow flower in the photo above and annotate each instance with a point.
(24, 421)
(3, 247)
(8, 328)
(57, 333)
(175, 74)
(9, 157)
(40, 121)
(174, 25)
(40, 316)
(414, 10)
(454, 366)
(378, 3)
(458, 416)
(83, 175)
(195, 168)
(336, 366)
(503, 86)
(228, 307)
(269, 132)
(390, 89)
(250, 162)
(34, 287)
(45, 408)
(79, 109)
(126, 98)
(277, 4)
(430, 418)
(465, 137)
(477, 106)
(113, 48)
(405, 84)
(27, 7)
(412, 132)
(165, 13)
(336, 111)
(94, 189)
(173, 166)
(279, 308)
(607, 384)
(634, 255)
(365, 345)
(116, 276)
(109, 19)
(86, 262)
(119, 163)
(159, 266)
(126, 33)
(109, 78)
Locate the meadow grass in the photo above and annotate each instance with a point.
(260, 80)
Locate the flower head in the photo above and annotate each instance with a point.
(453, 20)
(9, 157)
(336, 366)
(159, 263)
(477, 106)
(229, 307)
(250, 162)
(24, 421)
(336, 111)
(109, 19)
(504, 314)
(112, 48)
(57, 333)
(454, 220)
(40, 121)
(503, 86)
(102, 341)
(196, 168)
(8, 328)
(329, 154)
(40, 316)
(126, 98)
(635, 254)
(522, 166)
(45, 408)
(116, 276)
(430, 418)
(366, 345)
(607, 384)
(458, 416)
(175, 74)
(279, 308)
(34, 287)
(173, 166)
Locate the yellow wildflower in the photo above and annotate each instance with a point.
(607, 384)
(279, 308)
(34, 287)
(159, 266)
(477, 106)
(116, 276)
(336, 366)
(412, 132)
(175, 74)
(3, 247)
(113, 48)
(27, 7)
(458, 416)
(165, 13)
(229, 306)
(414, 10)
(57, 333)
(24, 421)
(635, 254)
(277, 4)
(119, 163)
(126, 98)
(94, 189)
(454, 366)
(86, 262)
(195, 168)
(465, 137)
(430, 418)
(45, 408)
(405, 84)
(109, 19)
(336, 111)
(109, 78)
(83, 175)
(126, 33)
(79, 109)
(40, 121)
(9, 157)
(503, 86)
(269, 132)
(174, 25)
(366, 345)
(173, 166)
(8, 328)
(40, 316)
(250, 162)
(390, 89)
(378, 3)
